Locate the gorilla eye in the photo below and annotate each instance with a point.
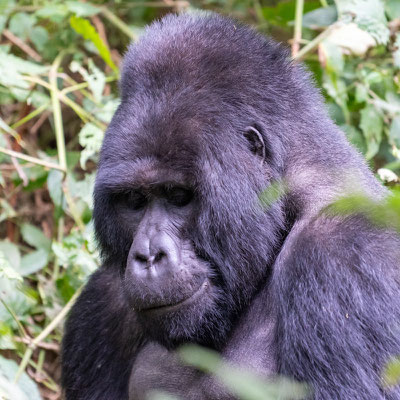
(135, 200)
(179, 197)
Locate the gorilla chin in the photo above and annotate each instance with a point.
(188, 320)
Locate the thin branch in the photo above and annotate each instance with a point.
(6, 128)
(55, 101)
(33, 160)
(297, 27)
(82, 113)
(31, 115)
(316, 41)
(20, 172)
(45, 332)
(22, 45)
(121, 25)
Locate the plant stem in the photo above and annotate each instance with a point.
(121, 25)
(297, 27)
(31, 115)
(45, 332)
(55, 101)
(33, 160)
(316, 41)
(82, 113)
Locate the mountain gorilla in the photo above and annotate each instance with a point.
(212, 116)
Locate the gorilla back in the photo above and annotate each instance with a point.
(212, 116)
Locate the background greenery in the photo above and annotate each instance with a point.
(58, 89)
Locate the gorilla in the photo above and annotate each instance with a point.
(199, 244)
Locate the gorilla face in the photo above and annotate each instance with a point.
(176, 273)
(168, 285)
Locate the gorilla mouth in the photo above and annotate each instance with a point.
(166, 308)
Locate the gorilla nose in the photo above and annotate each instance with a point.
(149, 260)
(153, 256)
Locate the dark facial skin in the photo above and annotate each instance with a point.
(163, 276)
(200, 245)
(159, 258)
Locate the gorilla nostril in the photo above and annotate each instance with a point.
(141, 258)
(159, 256)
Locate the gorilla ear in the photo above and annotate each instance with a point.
(255, 142)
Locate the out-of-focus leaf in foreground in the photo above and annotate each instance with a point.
(242, 383)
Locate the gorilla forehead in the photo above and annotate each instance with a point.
(178, 56)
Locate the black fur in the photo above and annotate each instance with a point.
(293, 291)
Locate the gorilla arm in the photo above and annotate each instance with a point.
(334, 288)
(100, 341)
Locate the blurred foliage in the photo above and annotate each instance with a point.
(58, 90)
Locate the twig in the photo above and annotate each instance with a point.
(72, 207)
(31, 115)
(297, 27)
(20, 171)
(45, 332)
(36, 126)
(6, 128)
(55, 101)
(22, 45)
(44, 345)
(33, 160)
(316, 41)
(121, 25)
(82, 113)
(15, 318)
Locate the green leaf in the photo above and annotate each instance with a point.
(82, 9)
(96, 78)
(394, 132)
(34, 261)
(333, 55)
(54, 184)
(361, 93)
(6, 270)
(25, 389)
(6, 338)
(391, 374)
(392, 8)
(35, 237)
(274, 192)
(11, 253)
(55, 12)
(3, 20)
(319, 18)
(371, 124)
(11, 68)
(373, 77)
(87, 30)
(246, 385)
(6, 210)
(369, 15)
(90, 138)
(21, 24)
(39, 37)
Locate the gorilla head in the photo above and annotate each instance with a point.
(184, 161)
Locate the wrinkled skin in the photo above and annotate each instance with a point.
(212, 116)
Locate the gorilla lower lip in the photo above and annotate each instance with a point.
(176, 306)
